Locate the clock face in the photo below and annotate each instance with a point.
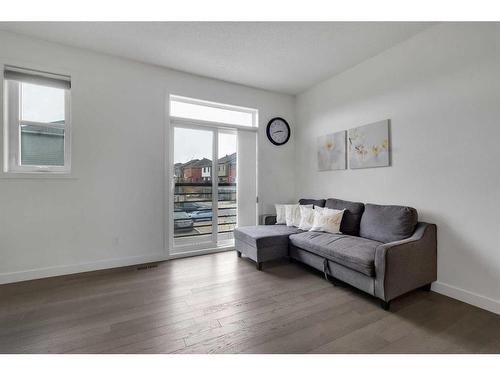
(278, 131)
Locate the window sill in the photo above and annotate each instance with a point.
(36, 176)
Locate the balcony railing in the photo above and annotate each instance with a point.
(193, 211)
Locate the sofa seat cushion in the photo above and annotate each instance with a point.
(260, 236)
(352, 252)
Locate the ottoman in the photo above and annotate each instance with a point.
(263, 242)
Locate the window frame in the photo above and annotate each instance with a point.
(12, 132)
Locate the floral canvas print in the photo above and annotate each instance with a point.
(332, 151)
(369, 145)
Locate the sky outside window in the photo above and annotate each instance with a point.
(42, 104)
(197, 144)
(206, 113)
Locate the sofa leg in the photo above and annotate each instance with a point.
(385, 305)
(427, 288)
(259, 266)
(238, 253)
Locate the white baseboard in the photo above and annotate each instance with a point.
(466, 296)
(39, 273)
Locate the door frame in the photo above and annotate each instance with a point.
(201, 248)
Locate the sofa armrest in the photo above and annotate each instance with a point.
(405, 265)
(267, 219)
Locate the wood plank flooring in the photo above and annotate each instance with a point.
(221, 304)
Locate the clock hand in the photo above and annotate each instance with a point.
(278, 131)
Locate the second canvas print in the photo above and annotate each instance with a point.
(369, 145)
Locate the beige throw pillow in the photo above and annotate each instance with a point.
(327, 220)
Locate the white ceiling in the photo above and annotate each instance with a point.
(286, 57)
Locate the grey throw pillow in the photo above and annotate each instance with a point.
(388, 223)
(352, 214)
(314, 202)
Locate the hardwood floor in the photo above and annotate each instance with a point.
(221, 304)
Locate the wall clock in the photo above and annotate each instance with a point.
(278, 131)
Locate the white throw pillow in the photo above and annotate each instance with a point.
(280, 213)
(306, 217)
(327, 220)
(292, 215)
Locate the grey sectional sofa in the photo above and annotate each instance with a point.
(383, 250)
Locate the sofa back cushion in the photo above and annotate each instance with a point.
(352, 215)
(388, 223)
(314, 202)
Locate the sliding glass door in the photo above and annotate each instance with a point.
(204, 210)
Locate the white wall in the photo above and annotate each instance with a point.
(441, 90)
(110, 212)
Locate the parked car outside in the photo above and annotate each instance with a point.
(191, 206)
(182, 221)
(201, 215)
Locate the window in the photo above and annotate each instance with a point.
(37, 128)
(194, 109)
